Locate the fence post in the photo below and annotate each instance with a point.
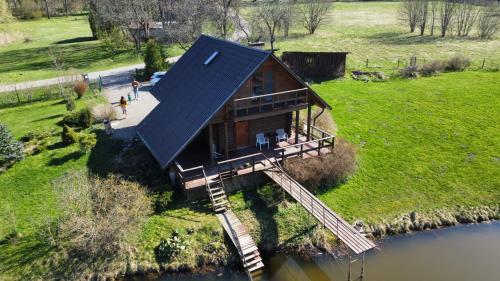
(367, 63)
(100, 83)
(398, 63)
(482, 66)
(17, 94)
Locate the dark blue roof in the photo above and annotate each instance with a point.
(191, 93)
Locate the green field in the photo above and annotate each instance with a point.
(423, 144)
(372, 30)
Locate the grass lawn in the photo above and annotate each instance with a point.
(28, 58)
(371, 30)
(423, 144)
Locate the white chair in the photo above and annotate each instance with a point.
(281, 135)
(261, 140)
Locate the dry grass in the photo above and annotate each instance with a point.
(80, 87)
(102, 112)
(331, 169)
(9, 37)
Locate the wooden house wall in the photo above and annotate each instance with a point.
(269, 125)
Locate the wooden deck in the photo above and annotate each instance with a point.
(243, 242)
(357, 242)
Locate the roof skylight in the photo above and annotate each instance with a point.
(211, 58)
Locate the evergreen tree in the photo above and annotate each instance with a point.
(154, 60)
(11, 150)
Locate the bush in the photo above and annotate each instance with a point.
(28, 9)
(69, 135)
(101, 112)
(82, 119)
(458, 63)
(98, 215)
(408, 72)
(432, 68)
(171, 247)
(11, 150)
(70, 103)
(153, 58)
(36, 142)
(80, 87)
(86, 141)
(161, 201)
(330, 169)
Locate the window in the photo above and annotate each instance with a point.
(257, 84)
(211, 58)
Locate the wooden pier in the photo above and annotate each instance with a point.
(357, 242)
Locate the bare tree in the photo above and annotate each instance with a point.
(313, 12)
(221, 15)
(447, 11)
(488, 21)
(433, 14)
(270, 14)
(288, 17)
(423, 15)
(47, 10)
(189, 16)
(409, 13)
(466, 16)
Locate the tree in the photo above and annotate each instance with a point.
(5, 13)
(288, 17)
(423, 14)
(153, 58)
(221, 15)
(11, 150)
(313, 13)
(488, 21)
(446, 14)
(466, 16)
(270, 14)
(434, 11)
(409, 12)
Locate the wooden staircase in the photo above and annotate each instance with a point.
(246, 247)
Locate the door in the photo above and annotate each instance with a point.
(241, 134)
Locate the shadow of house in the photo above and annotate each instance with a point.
(102, 154)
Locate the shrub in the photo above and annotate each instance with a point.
(98, 215)
(28, 9)
(458, 63)
(101, 112)
(330, 169)
(80, 87)
(408, 72)
(86, 141)
(11, 150)
(171, 247)
(153, 58)
(82, 119)
(69, 135)
(161, 201)
(432, 68)
(70, 104)
(36, 142)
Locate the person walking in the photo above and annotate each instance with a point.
(123, 105)
(135, 88)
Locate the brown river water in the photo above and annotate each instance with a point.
(463, 253)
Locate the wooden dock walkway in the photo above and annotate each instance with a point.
(357, 242)
(244, 243)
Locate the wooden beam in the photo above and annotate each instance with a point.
(297, 126)
(211, 143)
(308, 137)
(268, 114)
(226, 140)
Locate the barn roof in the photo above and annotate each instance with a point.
(192, 92)
(195, 89)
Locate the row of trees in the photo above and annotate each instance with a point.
(458, 16)
(182, 21)
(27, 9)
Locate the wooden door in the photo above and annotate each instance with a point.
(241, 134)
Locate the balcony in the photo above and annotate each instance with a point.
(286, 101)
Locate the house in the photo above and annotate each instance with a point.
(218, 97)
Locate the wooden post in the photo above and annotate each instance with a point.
(349, 271)
(211, 143)
(226, 141)
(482, 66)
(297, 125)
(363, 266)
(309, 107)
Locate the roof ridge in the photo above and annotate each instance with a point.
(234, 43)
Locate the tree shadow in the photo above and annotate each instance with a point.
(398, 38)
(22, 255)
(76, 40)
(73, 156)
(47, 118)
(56, 145)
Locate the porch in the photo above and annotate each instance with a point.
(194, 171)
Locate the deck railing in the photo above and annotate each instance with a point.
(270, 102)
(185, 175)
(319, 139)
(230, 165)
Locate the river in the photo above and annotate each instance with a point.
(462, 253)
